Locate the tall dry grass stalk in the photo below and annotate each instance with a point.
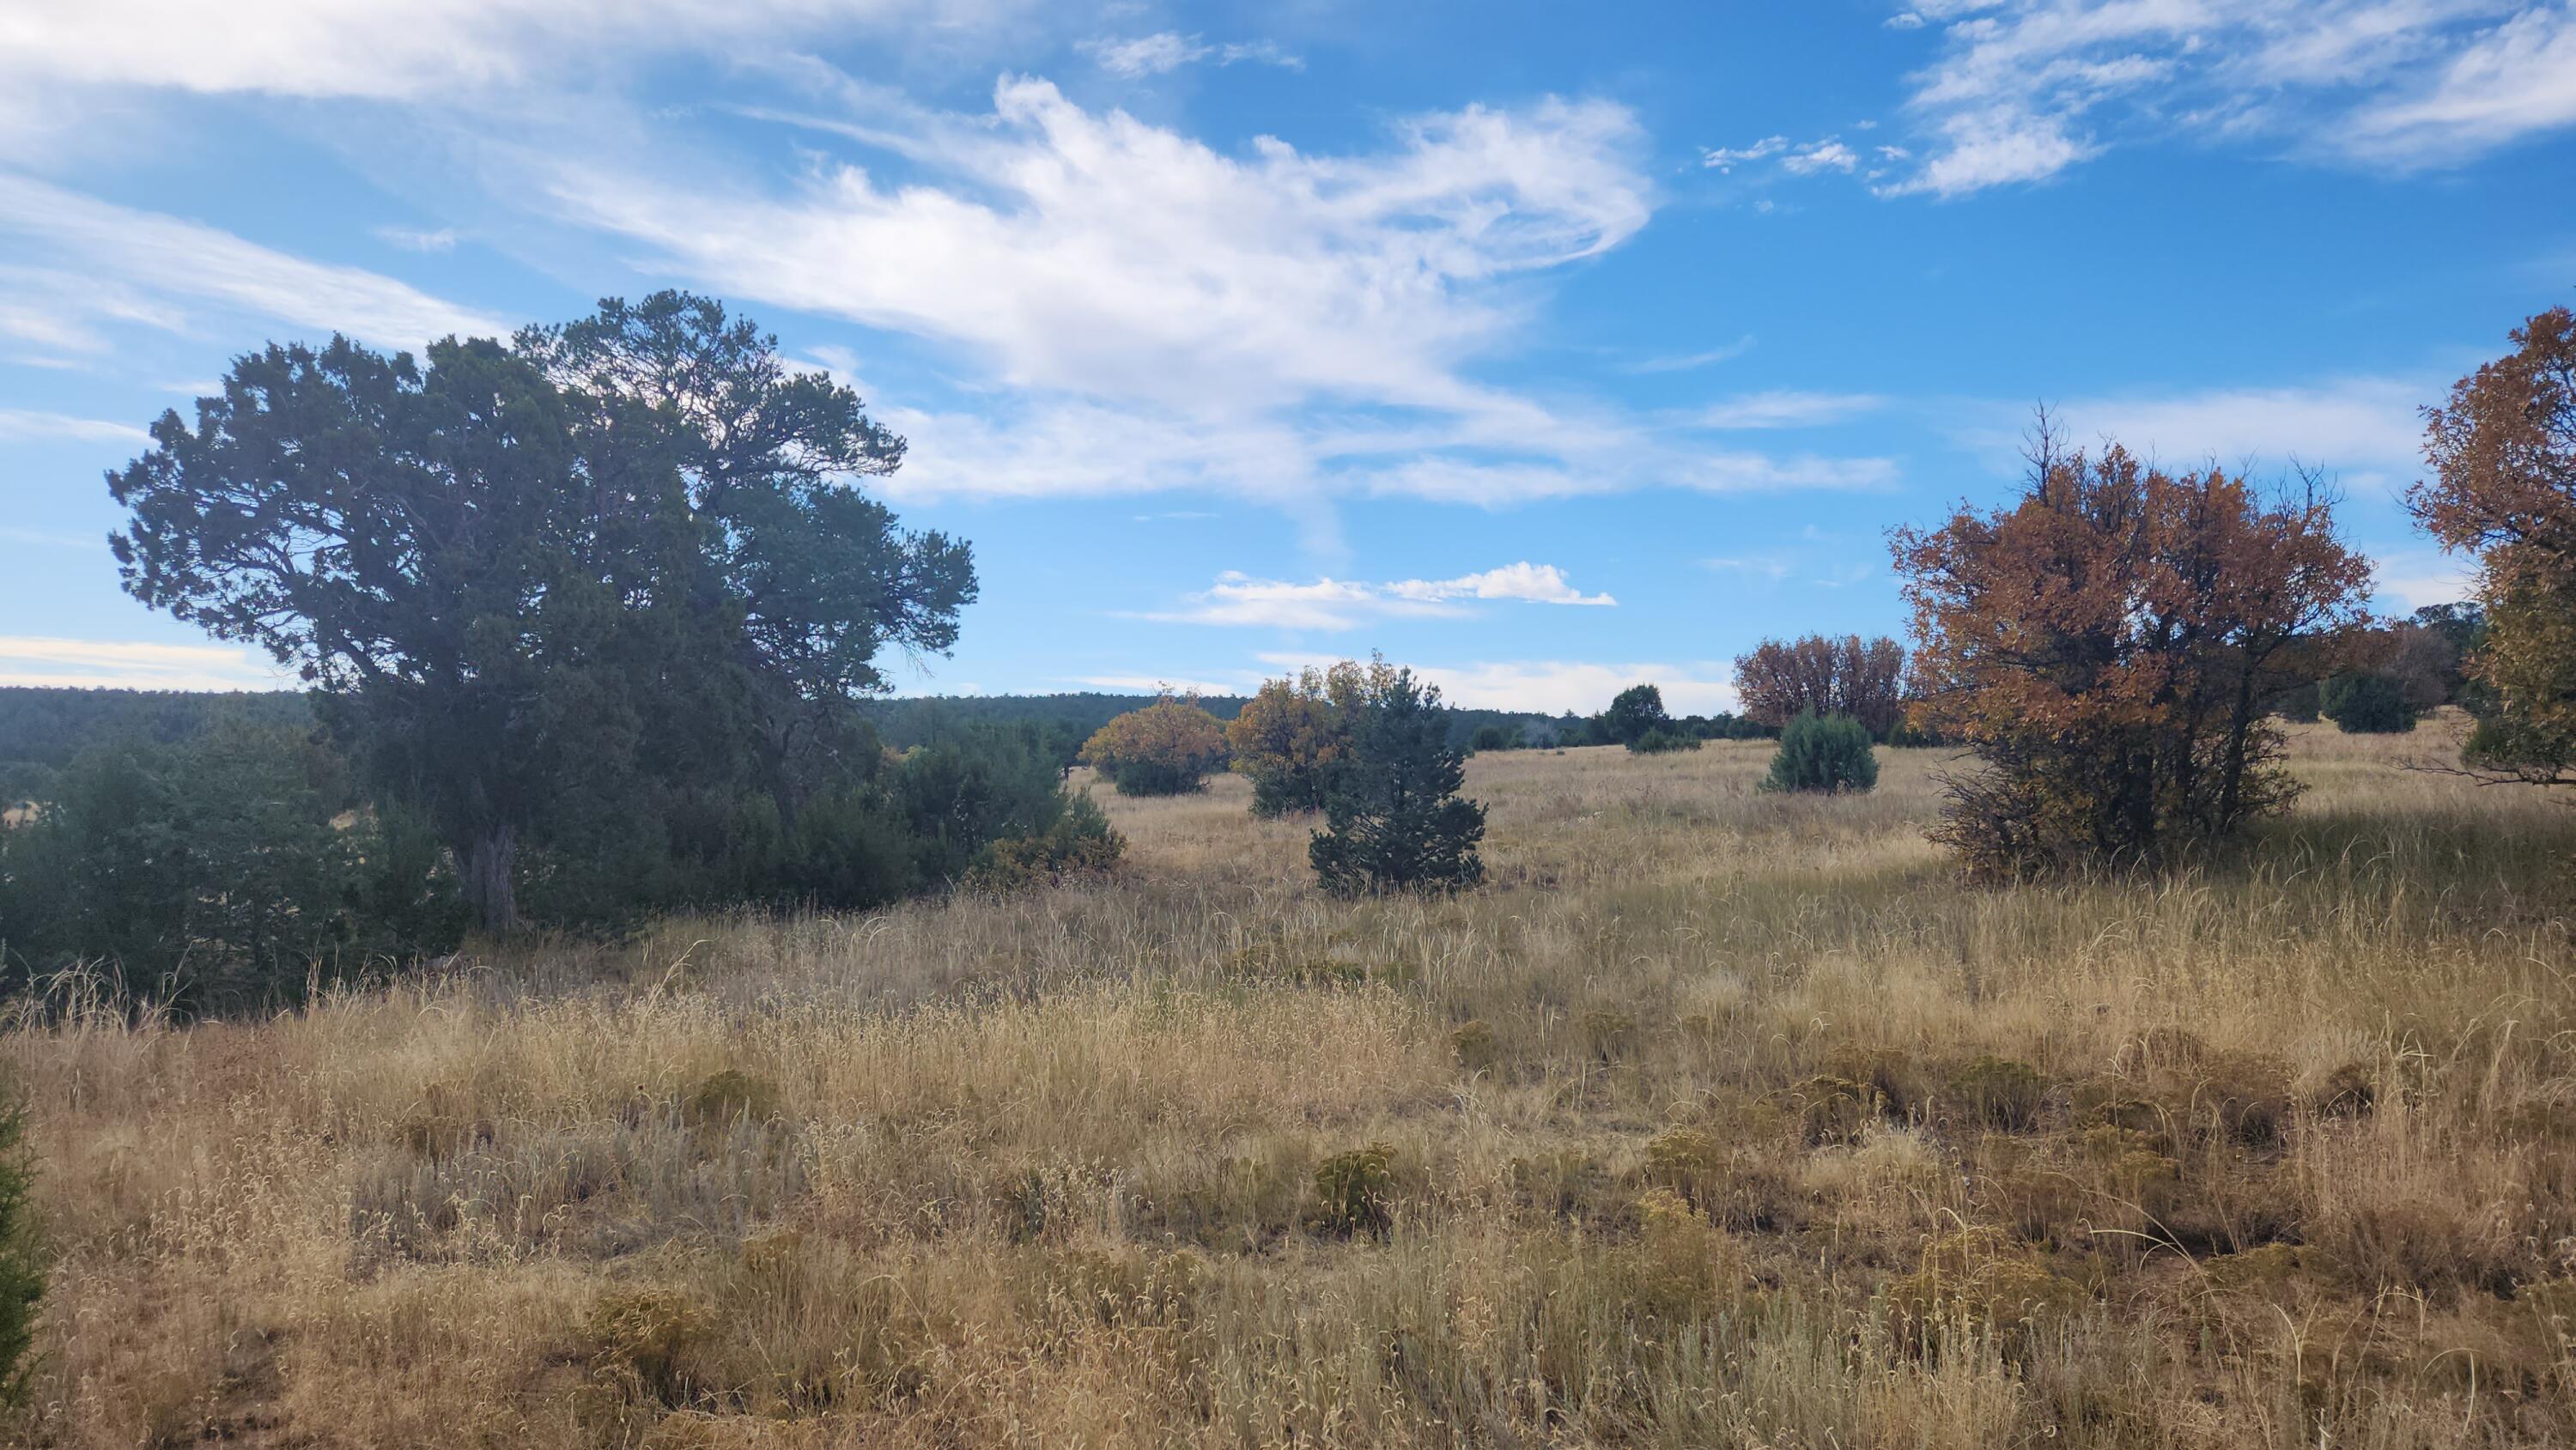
(1719, 1118)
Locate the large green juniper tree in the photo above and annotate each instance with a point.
(569, 588)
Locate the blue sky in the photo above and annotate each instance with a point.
(1545, 348)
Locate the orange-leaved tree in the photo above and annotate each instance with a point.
(2503, 451)
(1294, 733)
(1864, 679)
(1167, 748)
(2108, 646)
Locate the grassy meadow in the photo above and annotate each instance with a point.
(1716, 1119)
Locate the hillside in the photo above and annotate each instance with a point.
(1661, 1139)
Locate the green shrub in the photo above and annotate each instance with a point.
(2299, 705)
(1660, 741)
(1488, 737)
(1999, 1092)
(22, 1274)
(1159, 777)
(1355, 1191)
(2368, 704)
(1636, 711)
(1828, 753)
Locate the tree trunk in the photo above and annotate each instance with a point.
(485, 877)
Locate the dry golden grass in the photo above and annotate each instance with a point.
(1717, 1119)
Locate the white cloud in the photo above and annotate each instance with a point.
(1045, 240)
(20, 425)
(1684, 362)
(2417, 578)
(91, 262)
(1147, 55)
(412, 239)
(1160, 685)
(330, 48)
(1169, 50)
(1826, 155)
(2367, 428)
(1319, 341)
(2516, 79)
(44, 661)
(2021, 88)
(1525, 581)
(1555, 686)
(1238, 599)
(1723, 159)
(1782, 408)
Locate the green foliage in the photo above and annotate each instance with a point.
(1159, 777)
(1828, 753)
(1169, 747)
(588, 588)
(1080, 843)
(2300, 704)
(1395, 821)
(1488, 737)
(2366, 704)
(43, 726)
(22, 1263)
(2000, 1092)
(1662, 741)
(1355, 1191)
(230, 869)
(1633, 713)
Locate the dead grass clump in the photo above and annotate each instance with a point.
(1607, 1034)
(641, 1344)
(1904, 1088)
(1979, 1280)
(2348, 1091)
(2433, 1244)
(1479, 1049)
(1832, 1109)
(1733, 1165)
(724, 1098)
(443, 1125)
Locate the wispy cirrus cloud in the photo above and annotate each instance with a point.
(1240, 600)
(2023, 89)
(22, 425)
(2368, 428)
(1783, 408)
(1169, 50)
(129, 267)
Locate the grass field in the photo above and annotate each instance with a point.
(1715, 1119)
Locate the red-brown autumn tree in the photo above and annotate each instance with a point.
(1864, 679)
(2503, 451)
(2108, 646)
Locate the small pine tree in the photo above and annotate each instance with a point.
(1395, 821)
(1829, 753)
(2366, 705)
(22, 1274)
(1662, 741)
(1489, 737)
